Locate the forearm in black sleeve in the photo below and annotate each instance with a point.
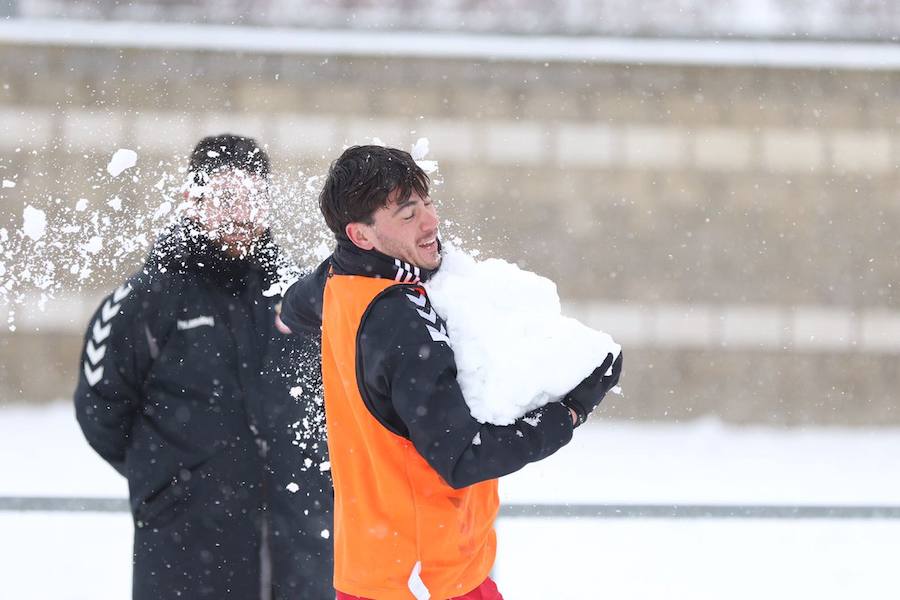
(462, 450)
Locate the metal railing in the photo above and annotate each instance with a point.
(524, 510)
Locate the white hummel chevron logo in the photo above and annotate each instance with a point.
(436, 330)
(96, 344)
(419, 300)
(95, 353)
(406, 273)
(438, 335)
(121, 292)
(92, 375)
(109, 310)
(101, 332)
(429, 316)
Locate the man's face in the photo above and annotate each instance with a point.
(233, 208)
(407, 230)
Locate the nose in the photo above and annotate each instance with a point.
(429, 218)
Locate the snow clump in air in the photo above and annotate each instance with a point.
(514, 350)
(419, 151)
(122, 159)
(34, 222)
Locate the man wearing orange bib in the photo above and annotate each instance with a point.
(415, 475)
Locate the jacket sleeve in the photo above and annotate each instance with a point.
(416, 370)
(301, 308)
(118, 351)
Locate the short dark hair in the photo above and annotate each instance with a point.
(216, 152)
(362, 179)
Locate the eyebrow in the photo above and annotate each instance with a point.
(404, 204)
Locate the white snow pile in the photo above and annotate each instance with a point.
(122, 159)
(514, 349)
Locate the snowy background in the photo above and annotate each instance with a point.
(42, 454)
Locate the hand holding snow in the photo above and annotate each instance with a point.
(514, 349)
(121, 160)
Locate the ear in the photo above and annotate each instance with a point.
(361, 235)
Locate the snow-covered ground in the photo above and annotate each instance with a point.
(74, 556)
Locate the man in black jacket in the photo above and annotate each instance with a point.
(189, 389)
(408, 457)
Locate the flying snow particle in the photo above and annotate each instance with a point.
(9, 184)
(212, 154)
(35, 222)
(123, 159)
(322, 251)
(292, 487)
(429, 166)
(326, 534)
(296, 392)
(115, 203)
(325, 466)
(93, 245)
(162, 210)
(419, 150)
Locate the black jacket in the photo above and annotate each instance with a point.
(187, 388)
(407, 374)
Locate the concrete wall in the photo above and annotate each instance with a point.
(789, 19)
(734, 226)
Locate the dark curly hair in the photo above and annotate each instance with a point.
(227, 150)
(362, 179)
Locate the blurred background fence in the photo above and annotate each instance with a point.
(726, 208)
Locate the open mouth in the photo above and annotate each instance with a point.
(430, 245)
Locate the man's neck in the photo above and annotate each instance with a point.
(349, 259)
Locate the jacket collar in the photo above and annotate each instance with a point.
(349, 259)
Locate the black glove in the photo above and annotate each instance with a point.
(588, 394)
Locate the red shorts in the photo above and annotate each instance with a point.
(486, 591)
